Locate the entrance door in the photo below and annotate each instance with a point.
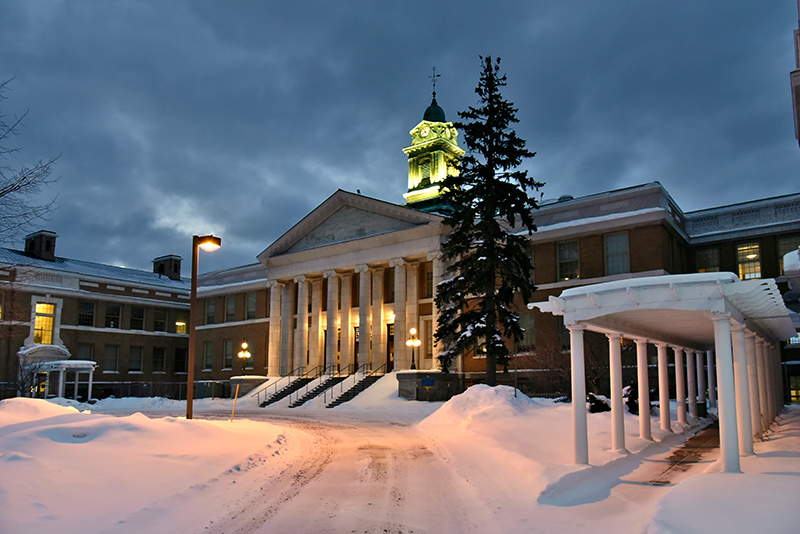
(389, 348)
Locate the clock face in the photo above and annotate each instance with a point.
(425, 131)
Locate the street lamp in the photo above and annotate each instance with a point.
(244, 354)
(413, 342)
(207, 243)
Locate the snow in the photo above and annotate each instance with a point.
(485, 461)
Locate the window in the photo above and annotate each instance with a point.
(250, 305)
(137, 318)
(159, 354)
(135, 359)
(160, 320)
(617, 258)
(749, 259)
(527, 322)
(568, 260)
(181, 323)
(786, 245)
(112, 315)
(388, 285)
(426, 279)
(111, 357)
(86, 313)
(708, 260)
(86, 351)
(230, 308)
(181, 360)
(211, 311)
(428, 339)
(228, 345)
(208, 355)
(43, 324)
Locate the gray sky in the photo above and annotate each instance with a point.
(238, 118)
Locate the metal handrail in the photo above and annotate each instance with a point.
(362, 369)
(288, 376)
(330, 370)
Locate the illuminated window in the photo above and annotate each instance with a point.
(208, 355)
(112, 315)
(160, 320)
(228, 354)
(230, 308)
(159, 358)
(137, 318)
(568, 260)
(86, 313)
(749, 258)
(181, 323)
(111, 359)
(211, 310)
(786, 245)
(135, 359)
(617, 258)
(708, 260)
(43, 324)
(250, 305)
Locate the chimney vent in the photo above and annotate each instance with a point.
(41, 245)
(169, 266)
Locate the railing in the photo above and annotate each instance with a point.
(331, 370)
(298, 372)
(362, 369)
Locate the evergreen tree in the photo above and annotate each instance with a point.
(486, 252)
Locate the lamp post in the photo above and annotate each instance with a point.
(208, 243)
(244, 354)
(413, 342)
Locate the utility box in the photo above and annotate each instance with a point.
(429, 385)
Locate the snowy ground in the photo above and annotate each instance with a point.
(484, 462)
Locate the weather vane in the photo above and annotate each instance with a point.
(433, 78)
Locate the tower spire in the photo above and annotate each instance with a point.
(433, 79)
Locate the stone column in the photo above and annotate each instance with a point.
(663, 388)
(728, 434)
(346, 350)
(699, 358)
(378, 327)
(402, 358)
(644, 389)
(438, 273)
(617, 408)
(579, 423)
(274, 358)
(364, 315)
(287, 329)
(762, 385)
(691, 382)
(752, 381)
(712, 379)
(315, 343)
(301, 333)
(332, 329)
(680, 385)
(742, 389)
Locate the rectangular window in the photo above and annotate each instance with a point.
(208, 355)
(159, 359)
(137, 318)
(527, 322)
(86, 351)
(427, 341)
(43, 324)
(160, 320)
(708, 260)
(228, 343)
(110, 360)
(568, 260)
(786, 245)
(85, 313)
(181, 360)
(211, 311)
(181, 323)
(250, 305)
(112, 315)
(617, 257)
(135, 359)
(426, 279)
(230, 308)
(388, 285)
(749, 259)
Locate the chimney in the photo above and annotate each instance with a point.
(41, 245)
(169, 266)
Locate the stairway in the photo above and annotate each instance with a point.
(330, 382)
(286, 390)
(355, 390)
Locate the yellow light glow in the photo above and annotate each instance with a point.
(751, 256)
(209, 242)
(413, 331)
(244, 344)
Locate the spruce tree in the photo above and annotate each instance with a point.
(487, 251)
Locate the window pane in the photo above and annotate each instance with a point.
(208, 353)
(86, 313)
(211, 309)
(527, 322)
(86, 351)
(135, 359)
(112, 315)
(749, 256)
(137, 318)
(230, 308)
(181, 323)
(228, 353)
(158, 359)
(250, 306)
(708, 260)
(786, 245)
(181, 360)
(617, 254)
(43, 323)
(110, 361)
(160, 320)
(568, 260)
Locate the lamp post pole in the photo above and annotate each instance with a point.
(413, 343)
(208, 242)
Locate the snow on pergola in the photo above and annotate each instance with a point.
(741, 323)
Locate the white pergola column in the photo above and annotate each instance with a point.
(579, 422)
(89, 393)
(62, 382)
(274, 350)
(680, 385)
(712, 379)
(402, 359)
(691, 382)
(776, 373)
(728, 435)
(332, 327)
(752, 381)
(301, 333)
(316, 348)
(699, 359)
(378, 328)
(46, 383)
(617, 409)
(287, 329)
(743, 420)
(346, 349)
(763, 398)
(438, 274)
(663, 388)
(644, 388)
(364, 314)
(75, 388)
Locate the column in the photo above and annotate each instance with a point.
(46, 383)
(644, 389)
(752, 381)
(742, 389)
(402, 358)
(332, 329)
(763, 384)
(91, 379)
(712, 379)
(75, 388)
(680, 385)
(777, 386)
(301, 333)
(274, 350)
(315, 338)
(663, 388)
(617, 409)
(364, 316)
(728, 435)
(62, 382)
(579, 423)
(691, 382)
(287, 329)
(346, 344)
(701, 376)
(438, 272)
(378, 328)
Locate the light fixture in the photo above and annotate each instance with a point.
(751, 256)
(413, 342)
(244, 353)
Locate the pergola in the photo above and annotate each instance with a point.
(737, 325)
(62, 367)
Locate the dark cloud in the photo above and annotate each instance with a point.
(186, 117)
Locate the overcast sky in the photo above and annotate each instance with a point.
(238, 118)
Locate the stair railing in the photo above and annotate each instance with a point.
(313, 374)
(362, 370)
(271, 389)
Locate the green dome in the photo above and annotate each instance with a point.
(434, 113)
